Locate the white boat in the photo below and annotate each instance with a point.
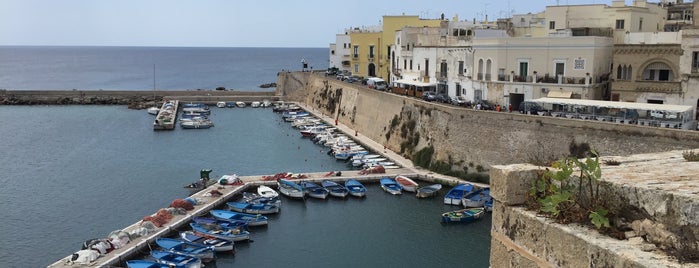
(240, 104)
(266, 103)
(255, 104)
(196, 123)
(265, 191)
(290, 189)
(153, 110)
(221, 104)
(429, 190)
(360, 162)
(408, 184)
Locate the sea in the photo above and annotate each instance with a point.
(73, 173)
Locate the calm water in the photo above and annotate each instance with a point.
(132, 68)
(71, 173)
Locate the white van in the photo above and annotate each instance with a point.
(376, 83)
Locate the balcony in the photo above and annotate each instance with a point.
(355, 56)
(667, 87)
(396, 71)
(441, 76)
(371, 58)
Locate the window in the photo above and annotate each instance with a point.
(411, 64)
(371, 52)
(388, 56)
(640, 25)
(332, 52)
(695, 61)
(461, 67)
(356, 52)
(356, 68)
(398, 41)
(405, 65)
(619, 24)
(458, 89)
(552, 25)
(658, 71)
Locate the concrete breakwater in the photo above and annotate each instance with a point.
(135, 99)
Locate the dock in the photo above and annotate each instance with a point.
(167, 116)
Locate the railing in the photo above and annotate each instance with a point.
(479, 76)
(355, 56)
(487, 77)
(442, 75)
(503, 77)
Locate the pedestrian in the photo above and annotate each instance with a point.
(509, 107)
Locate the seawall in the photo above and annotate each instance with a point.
(467, 138)
(124, 97)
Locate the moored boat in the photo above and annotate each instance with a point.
(428, 191)
(355, 188)
(462, 215)
(314, 190)
(454, 196)
(240, 104)
(221, 104)
(199, 123)
(335, 189)
(255, 104)
(390, 186)
(266, 191)
(219, 245)
(250, 219)
(476, 198)
(186, 248)
(216, 230)
(290, 189)
(145, 264)
(175, 259)
(488, 206)
(406, 183)
(252, 208)
(153, 110)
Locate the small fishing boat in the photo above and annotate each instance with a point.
(240, 104)
(219, 245)
(252, 208)
(266, 191)
(390, 186)
(290, 189)
(406, 183)
(230, 216)
(175, 259)
(218, 231)
(153, 110)
(196, 123)
(454, 196)
(221, 104)
(183, 247)
(335, 189)
(355, 188)
(146, 264)
(488, 206)
(476, 198)
(428, 191)
(255, 104)
(463, 215)
(314, 190)
(266, 103)
(253, 198)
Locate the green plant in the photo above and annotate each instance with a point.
(567, 199)
(690, 156)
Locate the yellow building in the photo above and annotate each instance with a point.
(370, 47)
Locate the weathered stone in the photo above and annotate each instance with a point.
(510, 184)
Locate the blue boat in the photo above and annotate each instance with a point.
(230, 216)
(219, 231)
(488, 206)
(253, 198)
(314, 190)
(335, 189)
(290, 189)
(183, 247)
(175, 259)
(225, 224)
(252, 208)
(355, 188)
(390, 186)
(145, 264)
(219, 245)
(454, 196)
(463, 215)
(476, 198)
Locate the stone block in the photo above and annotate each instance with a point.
(510, 184)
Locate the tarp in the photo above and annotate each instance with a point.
(618, 104)
(414, 83)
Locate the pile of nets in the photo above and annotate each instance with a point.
(160, 218)
(372, 170)
(181, 203)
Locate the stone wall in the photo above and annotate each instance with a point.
(469, 138)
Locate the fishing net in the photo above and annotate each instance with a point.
(181, 203)
(160, 218)
(119, 238)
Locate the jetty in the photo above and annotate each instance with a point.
(167, 116)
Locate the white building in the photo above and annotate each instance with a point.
(339, 52)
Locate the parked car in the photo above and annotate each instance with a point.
(441, 97)
(528, 107)
(429, 96)
(460, 101)
(486, 105)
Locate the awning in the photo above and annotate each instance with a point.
(560, 94)
(414, 83)
(618, 104)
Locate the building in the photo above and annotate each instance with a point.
(340, 52)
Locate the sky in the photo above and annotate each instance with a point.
(226, 23)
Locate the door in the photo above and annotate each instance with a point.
(523, 71)
(371, 70)
(560, 68)
(516, 99)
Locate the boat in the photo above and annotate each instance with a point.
(223, 223)
(230, 216)
(290, 189)
(428, 191)
(196, 108)
(266, 191)
(453, 197)
(406, 183)
(255, 104)
(199, 123)
(216, 230)
(219, 245)
(175, 259)
(476, 198)
(355, 188)
(390, 186)
(253, 198)
(335, 189)
(221, 104)
(153, 110)
(240, 104)
(230, 104)
(252, 208)
(488, 206)
(266, 103)
(314, 190)
(183, 247)
(146, 264)
(463, 215)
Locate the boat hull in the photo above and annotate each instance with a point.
(428, 191)
(407, 184)
(463, 215)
